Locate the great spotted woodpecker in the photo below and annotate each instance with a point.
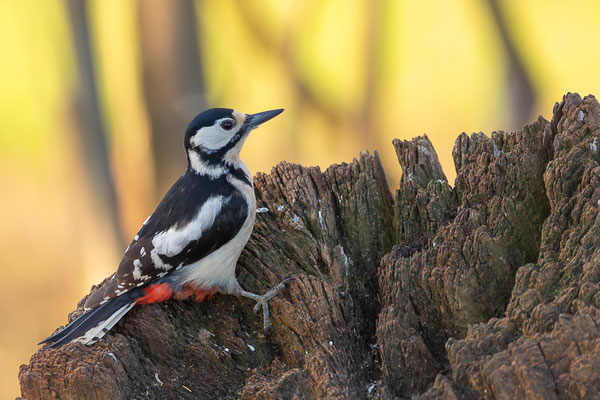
(190, 244)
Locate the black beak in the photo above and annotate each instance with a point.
(254, 120)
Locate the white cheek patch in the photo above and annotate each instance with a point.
(212, 137)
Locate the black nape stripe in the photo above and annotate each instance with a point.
(241, 175)
(228, 168)
(216, 157)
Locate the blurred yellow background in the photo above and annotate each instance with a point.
(95, 97)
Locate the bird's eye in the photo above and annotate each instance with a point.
(227, 124)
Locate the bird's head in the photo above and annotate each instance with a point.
(215, 137)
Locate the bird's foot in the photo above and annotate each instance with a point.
(263, 301)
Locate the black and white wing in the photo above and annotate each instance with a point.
(190, 223)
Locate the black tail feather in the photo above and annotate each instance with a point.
(90, 319)
(70, 327)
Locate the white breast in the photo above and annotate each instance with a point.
(217, 270)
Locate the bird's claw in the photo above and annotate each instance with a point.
(263, 301)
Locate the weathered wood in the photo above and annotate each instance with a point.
(329, 229)
(549, 340)
(488, 289)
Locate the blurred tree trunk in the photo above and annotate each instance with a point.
(173, 80)
(372, 58)
(282, 49)
(521, 96)
(87, 117)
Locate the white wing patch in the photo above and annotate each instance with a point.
(218, 268)
(173, 241)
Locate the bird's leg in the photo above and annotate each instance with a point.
(263, 301)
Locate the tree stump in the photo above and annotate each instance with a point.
(488, 289)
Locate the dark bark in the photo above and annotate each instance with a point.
(488, 289)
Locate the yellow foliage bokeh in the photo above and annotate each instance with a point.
(352, 75)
